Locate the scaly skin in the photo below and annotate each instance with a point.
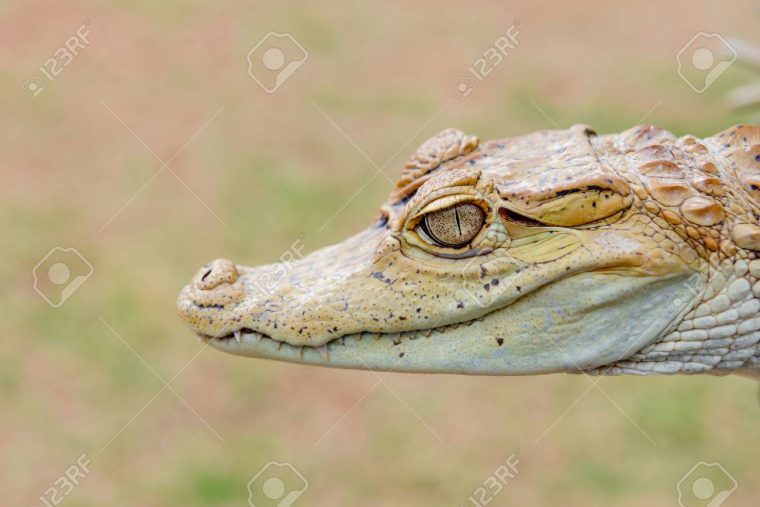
(630, 253)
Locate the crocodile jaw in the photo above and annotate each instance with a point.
(530, 336)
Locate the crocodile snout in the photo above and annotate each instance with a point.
(216, 273)
(211, 296)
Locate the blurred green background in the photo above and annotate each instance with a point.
(300, 163)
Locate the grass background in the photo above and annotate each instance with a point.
(273, 168)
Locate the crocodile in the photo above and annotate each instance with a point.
(554, 251)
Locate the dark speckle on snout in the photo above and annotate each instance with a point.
(379, 275)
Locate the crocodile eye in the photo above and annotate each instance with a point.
(454, 227)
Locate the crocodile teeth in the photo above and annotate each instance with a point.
(237, 336)
(323, 352)
(300, 353)
(279, 345)
(427, 332)
(252, 335)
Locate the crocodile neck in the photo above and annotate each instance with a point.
(716, 328)
(718, 332)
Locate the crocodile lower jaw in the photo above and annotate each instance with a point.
(529, 336)
(248, 339)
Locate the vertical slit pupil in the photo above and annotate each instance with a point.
(456, 226)
(459, 224)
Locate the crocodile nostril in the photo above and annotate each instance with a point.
(216, 273)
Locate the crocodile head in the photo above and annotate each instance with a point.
(554, 251)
